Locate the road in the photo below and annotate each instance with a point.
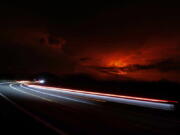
(75, 112)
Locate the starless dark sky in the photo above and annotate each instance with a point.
(139, 40)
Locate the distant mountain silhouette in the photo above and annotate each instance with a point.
(160, 89)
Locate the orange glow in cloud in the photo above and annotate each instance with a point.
(116, 63)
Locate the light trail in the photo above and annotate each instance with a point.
(12, 86)
(138, 101)
(103, 94)
(57, 96)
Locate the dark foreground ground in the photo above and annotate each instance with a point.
(75, 115)
(14, 121)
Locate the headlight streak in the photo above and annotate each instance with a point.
(144, 102)
(57, 96)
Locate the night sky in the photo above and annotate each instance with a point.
(138, 40)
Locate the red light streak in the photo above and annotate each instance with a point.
(105, 94)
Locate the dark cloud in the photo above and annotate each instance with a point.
(85, 59)
(33, 50)
(133, 39)
(162, 66)
(53, 41)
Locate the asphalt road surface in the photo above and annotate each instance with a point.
(72, 112)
